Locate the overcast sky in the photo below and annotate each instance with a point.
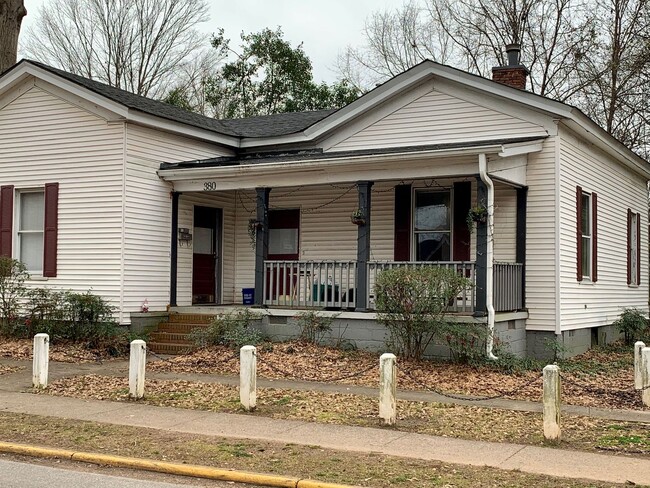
(325, 27)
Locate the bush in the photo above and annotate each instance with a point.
(412, 303)
(633, 325)
(313, 326)
(466, 341)
(232, 329)
(12, 289)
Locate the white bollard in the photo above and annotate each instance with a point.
(645, 376)
(40, 365)
(551, 400)
(388, 388)
(248, 377)
(638, 376)
(137, 363)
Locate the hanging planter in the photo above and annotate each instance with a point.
(477, 215)
(253, 225)
(358, 217)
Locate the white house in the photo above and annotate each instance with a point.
(138, 200)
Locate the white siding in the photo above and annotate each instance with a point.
(148, 216)
(46, 139)
(438, 118)
(587, 304)
(540, 238)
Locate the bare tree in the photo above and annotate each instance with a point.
(11, 17)
(133, 45)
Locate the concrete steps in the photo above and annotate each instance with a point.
(171, 337)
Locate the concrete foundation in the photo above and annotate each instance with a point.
(540, 344)
(143, 322)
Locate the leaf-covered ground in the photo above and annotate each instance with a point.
(428, 418)
(8, 369)
(62, 352)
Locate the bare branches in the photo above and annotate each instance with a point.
(135, 46)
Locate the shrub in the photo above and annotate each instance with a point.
(412, 303)
(632, 324)
(12, 289)
(313, 326)
(233, 329)
(466, 341)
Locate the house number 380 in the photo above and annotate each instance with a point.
(209, 186)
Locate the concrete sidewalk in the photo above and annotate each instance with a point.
(546, 461)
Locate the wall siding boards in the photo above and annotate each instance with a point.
(437, 118)
(588, 304)
(147, 216)
(45, 139)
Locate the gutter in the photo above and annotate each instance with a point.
(489, 279)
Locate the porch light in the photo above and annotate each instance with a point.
(184, 237)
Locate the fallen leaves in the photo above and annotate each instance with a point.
(63, 352)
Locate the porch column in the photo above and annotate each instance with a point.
(261, 240)
(173, 280)
(363, 245)
(481, 252)
(522, 199)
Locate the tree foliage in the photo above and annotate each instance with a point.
(266, 76)
(139, 46)
(593, 54)
(11, 17)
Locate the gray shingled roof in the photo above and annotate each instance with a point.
(263, 126)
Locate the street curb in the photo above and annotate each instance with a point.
(192, 470)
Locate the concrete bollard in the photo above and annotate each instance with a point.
(638, 376)
(645, 376)
(551, 400)
(388, 388)
(137, 366)
(40, 364)
(248, 377)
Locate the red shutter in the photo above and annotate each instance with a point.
(578, 233)
(6, 219)
(402, 244)
(638, 249)
(51, 229)
(629, 246)
(594, 237)
(462, 236)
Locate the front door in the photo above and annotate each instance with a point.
(284, 245)
(206, 259)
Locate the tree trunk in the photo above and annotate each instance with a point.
(11, 16)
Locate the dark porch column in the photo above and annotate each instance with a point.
(173, 280)
(261, 241)
(522, 199)
(363, 245)
(481, 252)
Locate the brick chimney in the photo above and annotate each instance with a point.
(515, 73)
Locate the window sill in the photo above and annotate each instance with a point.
(38, 278)
(631, 285)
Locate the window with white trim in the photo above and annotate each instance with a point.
(634, 250)
(586, 228)
(30, 216)
(432, 226)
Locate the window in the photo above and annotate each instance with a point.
(432, 226)
(30, 227)
(633, 248)
(587, 244)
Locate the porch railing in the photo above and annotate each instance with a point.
(464, 302)
(310, 283)
(508, 287)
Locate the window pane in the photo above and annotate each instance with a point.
(586, 256)
(432, 211)
(283, 241)
(203, 240)
(31, 250)
(433, 246)
(586, 216)
(32, 211)
(633, 250)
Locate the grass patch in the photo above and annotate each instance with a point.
(283, 459)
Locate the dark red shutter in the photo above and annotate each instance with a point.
(638, 249)
(402, 244)
(51, 229)
(629, 246)
(462, 236)
(579, 233)
(6, 219)
(594, 237)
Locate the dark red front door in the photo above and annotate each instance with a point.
(206, 255)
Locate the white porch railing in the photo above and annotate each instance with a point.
(464, 302)
(310, 283)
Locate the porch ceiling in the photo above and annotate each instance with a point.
(314, 167)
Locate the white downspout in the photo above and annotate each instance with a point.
(489, 279)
